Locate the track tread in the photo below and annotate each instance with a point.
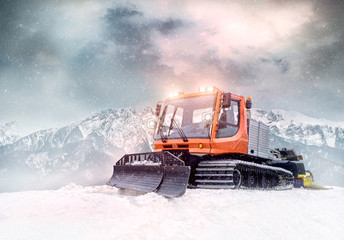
(217, 174)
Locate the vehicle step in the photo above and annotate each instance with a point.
(214, 169)
(201, 164)
(219, 161)
(213, 181)
(216, 186)
(213, 175)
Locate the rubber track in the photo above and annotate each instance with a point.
(215, 174)
(284, 178)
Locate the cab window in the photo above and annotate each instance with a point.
(228, 121)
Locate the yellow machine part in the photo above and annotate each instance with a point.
(307, 181)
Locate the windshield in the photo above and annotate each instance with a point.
(189, 115)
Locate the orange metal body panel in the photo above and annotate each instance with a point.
(193, 145)
(236, 144)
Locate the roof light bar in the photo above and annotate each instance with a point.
(210, 89)
(174, 94)
(206, 89)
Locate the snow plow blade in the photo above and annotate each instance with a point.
(160, 172)
(175, 181)
(140, 178)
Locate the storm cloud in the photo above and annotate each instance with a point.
(61, 61)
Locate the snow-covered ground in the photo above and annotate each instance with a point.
(102, 212)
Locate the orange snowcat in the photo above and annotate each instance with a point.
(207, 140)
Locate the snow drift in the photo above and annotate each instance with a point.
(102, 212)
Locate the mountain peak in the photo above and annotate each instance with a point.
(9, 133)
(279, 115)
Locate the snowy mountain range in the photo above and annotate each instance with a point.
(84, 152)
(296, 127)
(9, 133)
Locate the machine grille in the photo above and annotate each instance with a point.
(258, 139)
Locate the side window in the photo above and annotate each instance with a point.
(228, 121)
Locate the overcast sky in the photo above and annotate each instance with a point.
(62, 61)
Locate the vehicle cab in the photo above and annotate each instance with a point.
(208, 122)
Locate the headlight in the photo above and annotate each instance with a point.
(210, 89)
(175, 94)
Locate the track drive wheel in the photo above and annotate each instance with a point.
(274, 181)
(264, 181)
(237, 178)
(252, 180)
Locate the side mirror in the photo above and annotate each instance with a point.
(226, 100)
(158, 109)
(151, 123)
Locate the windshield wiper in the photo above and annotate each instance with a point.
(179, 130)
(172, 120)
(160, 131)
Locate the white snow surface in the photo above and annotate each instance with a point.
(103, 212)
